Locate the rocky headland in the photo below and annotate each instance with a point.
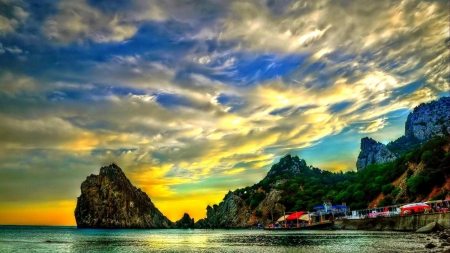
(109, 200)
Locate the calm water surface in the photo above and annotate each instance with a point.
(71, 239)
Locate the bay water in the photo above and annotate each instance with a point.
(71, 239)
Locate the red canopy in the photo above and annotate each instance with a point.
(295, 215)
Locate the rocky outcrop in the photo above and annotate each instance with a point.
(109, 200)
(423, 123)
(185, 222)
(430, 227)
(270, 208)
(429, 120)
(232, 212)
(287, 165)
(373, 152)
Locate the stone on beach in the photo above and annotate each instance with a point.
(430, 227)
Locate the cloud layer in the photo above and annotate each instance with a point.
(193, 98)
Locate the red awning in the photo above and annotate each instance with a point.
(295, 215)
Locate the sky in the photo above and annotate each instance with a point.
(192, 98)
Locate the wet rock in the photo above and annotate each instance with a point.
(109, 200)
(430, 245)
(427, 228)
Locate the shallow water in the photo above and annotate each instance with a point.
(71, 239)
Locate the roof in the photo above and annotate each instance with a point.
(282, 218)
(304, 217)
(332, 207)
(415, 204)
(295, 215)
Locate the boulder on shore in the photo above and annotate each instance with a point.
(430, 227)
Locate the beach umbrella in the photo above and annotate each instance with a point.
(304, 217)
(282, 218)
(295, 215)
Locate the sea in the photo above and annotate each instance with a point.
(71, 239)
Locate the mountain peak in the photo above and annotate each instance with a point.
(287, 164)
(425, 122)
(373, 152)
(429, 120)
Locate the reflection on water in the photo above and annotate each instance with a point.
(69, 239)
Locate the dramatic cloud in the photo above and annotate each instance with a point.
(195, 98)
(76, 19)
(11, 16)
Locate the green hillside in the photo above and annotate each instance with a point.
(304, 187)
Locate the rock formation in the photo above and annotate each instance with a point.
(271, 207)
(429, 120)
(185, 222)
(373, 152)
(423, 123)
(232, 212)
(109, 200)
(287, 165)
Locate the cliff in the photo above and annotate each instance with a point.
(232, 212)
(109, 200)
(270, 209)
(425, 122)
(429, 120)
(373, 152)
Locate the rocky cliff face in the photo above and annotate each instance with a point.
(109, 200)
(270, 207)
(232, 212)
(429, 120)
(373, 152)
(423, 123)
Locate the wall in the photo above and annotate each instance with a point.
(399, 223)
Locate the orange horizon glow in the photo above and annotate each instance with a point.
(169, 202)
(62, 213)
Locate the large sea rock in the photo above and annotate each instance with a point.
(109, 200)
(185, 222)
